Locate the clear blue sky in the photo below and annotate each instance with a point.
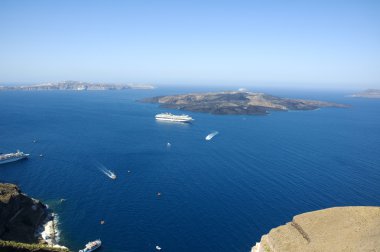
(318, 43)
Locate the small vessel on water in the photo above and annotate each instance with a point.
(173, 118)
(107, 172)
(11, 157)
(92, 246)
(158, 247)
(211, 135)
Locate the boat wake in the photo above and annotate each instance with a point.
(106, 172)
(211, 135)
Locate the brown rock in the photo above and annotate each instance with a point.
(333, 229)
(20, 215)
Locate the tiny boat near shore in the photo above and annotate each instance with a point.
(92, 246)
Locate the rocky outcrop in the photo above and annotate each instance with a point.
(333, 229)
(10, 246)
(238, 103)
(21, 219)
(20, 215)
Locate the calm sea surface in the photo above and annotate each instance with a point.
(219, 195)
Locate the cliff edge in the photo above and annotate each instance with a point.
(333, 229)
(21, 217)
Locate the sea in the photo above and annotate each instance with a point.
(191, 195)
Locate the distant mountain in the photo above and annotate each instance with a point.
(76, 85)
(237, 102)
(369, 93)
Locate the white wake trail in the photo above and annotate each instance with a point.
(106, 172)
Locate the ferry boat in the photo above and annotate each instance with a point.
(211, 135)
(92, 246)
(11, 157)
(173, 118)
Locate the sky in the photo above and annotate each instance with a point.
(297, 43)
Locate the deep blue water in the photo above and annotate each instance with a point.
(220, 195)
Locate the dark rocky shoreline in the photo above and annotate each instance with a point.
(21, 219)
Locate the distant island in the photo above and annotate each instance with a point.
(369, 93)
(76, 85)
(236, 103)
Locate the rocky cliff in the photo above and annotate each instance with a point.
(20, 219)
(338, 229)
(20, 216)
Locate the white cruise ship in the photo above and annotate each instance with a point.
(173, 118)
(91, 246)
(11, 157)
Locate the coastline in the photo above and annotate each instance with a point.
(26, 224)
(49, 232)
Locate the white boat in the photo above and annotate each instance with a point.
(211, 135)
(173, 118)
(92, 246)
(11, 157)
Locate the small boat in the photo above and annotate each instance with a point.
(158, 247)
(92, 246)
(211, 135)
(113, 176)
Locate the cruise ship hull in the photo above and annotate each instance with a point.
(11, 160)
(174, 120)
(92, 246)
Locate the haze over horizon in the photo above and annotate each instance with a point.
(326, 44)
